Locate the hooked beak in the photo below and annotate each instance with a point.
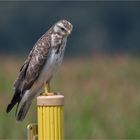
(69, 32)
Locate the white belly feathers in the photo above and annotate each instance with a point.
(52, 64)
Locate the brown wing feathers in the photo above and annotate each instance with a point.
(30, 70)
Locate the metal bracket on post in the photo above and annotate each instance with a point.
(32, 132)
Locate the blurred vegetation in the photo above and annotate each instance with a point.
(102, 97)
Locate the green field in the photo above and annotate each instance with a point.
(102, 97)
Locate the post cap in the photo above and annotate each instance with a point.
(55, 100)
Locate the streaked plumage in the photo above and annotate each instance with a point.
(39, 67)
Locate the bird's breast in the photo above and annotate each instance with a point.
(53, 62)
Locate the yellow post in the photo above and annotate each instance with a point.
(50, 117)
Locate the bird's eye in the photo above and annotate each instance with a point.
(62, 29)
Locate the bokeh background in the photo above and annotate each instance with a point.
(100, 75)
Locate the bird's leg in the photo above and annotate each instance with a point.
(47, 89)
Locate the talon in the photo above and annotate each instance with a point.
(48, 94)
(56, 93)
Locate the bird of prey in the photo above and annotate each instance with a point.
(39, 67)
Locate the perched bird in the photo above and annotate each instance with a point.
(39, 67)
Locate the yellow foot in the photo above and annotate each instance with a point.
(47, 94)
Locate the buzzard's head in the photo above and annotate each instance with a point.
(63, 27)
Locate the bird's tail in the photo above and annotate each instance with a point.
(24, 107)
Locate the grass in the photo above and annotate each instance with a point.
(102, 97)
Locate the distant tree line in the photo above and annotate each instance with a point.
(108, 27)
